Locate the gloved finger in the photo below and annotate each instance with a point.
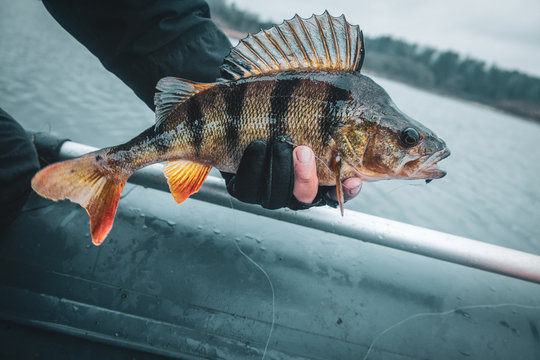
(306, 183)
(246, 184)
(279, 174)
(351, 188)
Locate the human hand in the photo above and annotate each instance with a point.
(306, 183)
(275, 176)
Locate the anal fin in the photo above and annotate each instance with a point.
(185, 178)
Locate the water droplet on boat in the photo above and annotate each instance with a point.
(172, 223)
(199, 227)
(217, 231)
(263, 248)
(465, 314)
(258, 240)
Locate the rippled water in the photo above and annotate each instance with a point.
(49, 82)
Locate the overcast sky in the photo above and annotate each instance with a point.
(503, 32)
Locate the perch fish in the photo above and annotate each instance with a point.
(301, 79)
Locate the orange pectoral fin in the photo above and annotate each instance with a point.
(185, 178)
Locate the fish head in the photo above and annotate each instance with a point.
(379, 141)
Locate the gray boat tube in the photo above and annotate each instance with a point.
(355, 225)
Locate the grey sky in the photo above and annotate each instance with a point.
(503, 32)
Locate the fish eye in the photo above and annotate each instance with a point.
(409, 137)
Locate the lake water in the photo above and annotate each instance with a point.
(49, 82)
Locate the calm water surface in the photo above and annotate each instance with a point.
(49, 82)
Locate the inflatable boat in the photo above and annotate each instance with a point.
(215, 278)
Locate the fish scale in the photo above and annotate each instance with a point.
(301, 79)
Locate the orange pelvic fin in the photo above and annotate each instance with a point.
(185, 178)
(339, 194)
(88, 182)
(336, 167)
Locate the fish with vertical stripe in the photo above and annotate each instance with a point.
(301, 79)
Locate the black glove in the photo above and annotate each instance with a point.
(265, 176)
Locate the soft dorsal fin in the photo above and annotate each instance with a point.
(173, 91)
(322, 42)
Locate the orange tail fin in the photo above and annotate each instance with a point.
(88, 182)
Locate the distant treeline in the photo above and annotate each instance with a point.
(446, 72)
(450, 73)
(232, 18)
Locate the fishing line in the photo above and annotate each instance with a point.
(36, 208)
(271, 288)
(401, 187)
(273, 297)
(127, 192)
(443, 313)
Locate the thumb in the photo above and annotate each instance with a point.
(306, 183)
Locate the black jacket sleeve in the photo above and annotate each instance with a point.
(141, 41)
(18, 163)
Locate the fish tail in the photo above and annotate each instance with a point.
(88, 181)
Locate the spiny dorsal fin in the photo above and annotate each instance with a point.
(173, 91)
(322, 42)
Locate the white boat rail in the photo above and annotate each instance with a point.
(359, 226)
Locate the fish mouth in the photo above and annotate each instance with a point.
(429, 169)
(423, 167)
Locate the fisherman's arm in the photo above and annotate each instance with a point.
(144, 41)
(18, 163)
